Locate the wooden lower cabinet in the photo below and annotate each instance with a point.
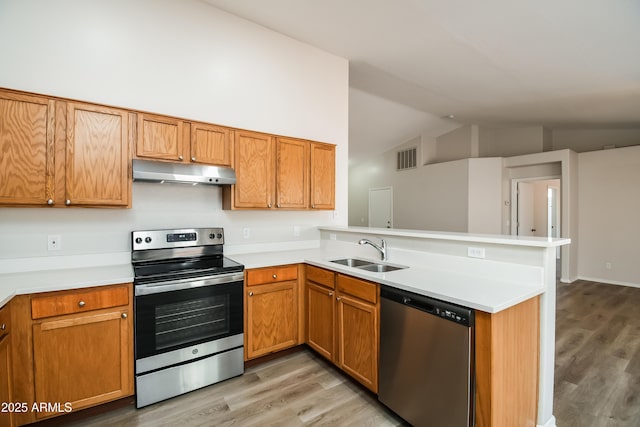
(84, 359)
(343, 323)
(6, 394)
(73, 349)
(271, 314)
(358, 334)
(321, 320)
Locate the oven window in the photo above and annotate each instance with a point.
(184, 322)
(172, 320)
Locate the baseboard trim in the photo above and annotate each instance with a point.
(609, 282)
(551, 422)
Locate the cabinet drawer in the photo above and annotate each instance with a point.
(321, 276)
(366, 291)
(78, 301)
(259, 276)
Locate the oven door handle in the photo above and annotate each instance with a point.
(177, 285)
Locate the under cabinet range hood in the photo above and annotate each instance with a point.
(188, 173)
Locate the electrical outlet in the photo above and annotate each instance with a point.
(246, 233)
(54, 242)
(475, 252)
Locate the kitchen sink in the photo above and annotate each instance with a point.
(380, 268)
(363, 264)
(353, 262)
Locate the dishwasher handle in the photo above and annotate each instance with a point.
(443, 309)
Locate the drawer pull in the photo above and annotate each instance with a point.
(193, 159)
(275, 276)
(81, 304)
(67, 202)
(180, 157)
(3, 327)
(338, 298)
(124, 315)
(250, 294)
(330, 294)
(50, 201)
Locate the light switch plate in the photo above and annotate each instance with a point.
(474, 252)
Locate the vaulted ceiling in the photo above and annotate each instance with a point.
(560, 64)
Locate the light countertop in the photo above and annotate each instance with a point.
(486, 285)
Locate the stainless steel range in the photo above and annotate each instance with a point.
(188, 312)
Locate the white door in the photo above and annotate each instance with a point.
(526, 226)
(381, 207)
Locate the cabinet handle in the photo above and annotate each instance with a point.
(193, 159)
(50, 201)
(67, 202)
(250, 294)
(338, 298)
(3, 327)
(81, 304)
(275, 276)
(330, 294)
(123, 315)
(180, 157)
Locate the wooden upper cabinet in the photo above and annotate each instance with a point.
(97, 160)
(210, 144)
(292, 173)
(161, 137)
(27, 146)
(254, 165)
(323, 176)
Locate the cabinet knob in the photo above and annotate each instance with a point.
(275, 276)
(269, 205)
(313, 206)
(82, 304)
(250, 294)
(180, 157)
(193, 159)
(67, 202)
(330, 294)
(123, 315)
(338, 298)
(50, 201)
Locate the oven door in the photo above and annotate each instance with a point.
(171, 316)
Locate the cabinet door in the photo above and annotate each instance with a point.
(358, 340)
(272, 318)
(254, 166)
(161, 137)
(292, 173)
(27, 147)
(210, 144)
(83, 359)
(323, 176)
(320, 320)
(97, 162)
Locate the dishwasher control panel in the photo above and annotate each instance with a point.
(446, 310)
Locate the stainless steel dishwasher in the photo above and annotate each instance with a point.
(426, 359)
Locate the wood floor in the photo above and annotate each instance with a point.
(597, 378)
(296, 390)
(597, 375)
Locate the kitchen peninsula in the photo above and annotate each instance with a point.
(506, 272)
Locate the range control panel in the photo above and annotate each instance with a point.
(184, 238)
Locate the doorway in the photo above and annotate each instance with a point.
(381, 207)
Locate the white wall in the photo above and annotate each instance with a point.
(485, 198)
(514, 141)
(609, 204)
(454, 145)
(582, 140)
(185, 59)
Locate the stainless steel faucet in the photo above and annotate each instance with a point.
(382, 248)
